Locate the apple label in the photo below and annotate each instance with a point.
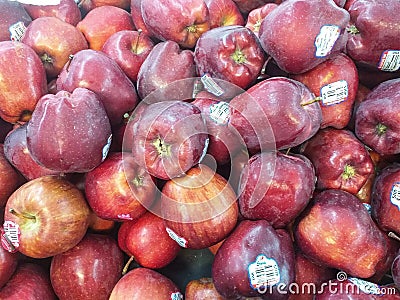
(263, 272)
(326, 39)
(366, 286)
(390, 61)
(220, 113)
(368, 207)
(180, 240)
(334, 93)
(17, 31)
(125, 217)
(395, 194)
(106, 147)
(197, 87)
(211, 86)
(206, 143)
(176, 296)
(10, 236)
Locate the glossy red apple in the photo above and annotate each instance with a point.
(14, 18)
(257, 15)
(143, 283)
(8, 265)
(89, 270)
(224, 13)
(54, 41)
(44, 217)
(100, 225)
(202, 289)
(118, 189)
(23, 81)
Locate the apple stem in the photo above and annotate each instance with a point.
(21, 215)
(70, 57)
(126, 267)
(137, 40)
(316, 99)
(393, 236)
(288, 151)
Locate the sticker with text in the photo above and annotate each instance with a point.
(263, 272)
(390, 61)
(10, 236)
(366, 286)
(176, 296)
(395, 194)
(211, 86)
(326, 39)
(220, 113)
(17, 31)
(334, 93)
(106, 148)
(180, 240)
(197, 87)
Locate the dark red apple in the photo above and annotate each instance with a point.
(89, 270)
(54, 41)
(257, 15)
(44, 217)
(100, 225)
(14, 20)
(8, 265)
(224, 13)
(118, 189)
(181, 21)
(129, 49)
(232, 53)
(143, 283)
(101, 22)
(23, 81)
(341, 161)
(67, 11)
(69, 132)
(395, 270)
(276, 187)
(200, 208)
(301, 34)
(202, 289)
(136, 13)
(95, 71)
(30, 282)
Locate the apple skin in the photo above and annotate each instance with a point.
(337, 231)
(143, 283)
(69, 132)
(232, 53)
(181, 21)
(224, 13)
(136, 13)
(261, 196)
(169, 138)
(17, 153)
(288, 34)
(8, 265)
(67, 11)
(11, 12)
(289, 115)
(241, 248)
(92, 25)
(200, 207)
(371, 37)
(341, 161)
(257, 15)
(118, 189)
(30, 281)
(395, 270)
(376, 118)
(51, 208)
(149, 243)
(88, 5)
(54, 41)
(246, 6)
(129, 49)
(202, 289)
(123, 231)
(177, 64)
(336, 69)
(23, 81)
(116, 91)
(89, 270)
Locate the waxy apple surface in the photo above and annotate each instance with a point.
(224, 13)
(14, 17)
(8, 265)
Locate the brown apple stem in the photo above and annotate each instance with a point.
(21, 215)
(288, 151)
(126, 267)
(393, 236)
(70, 57)
(316, 99)
(137, 40)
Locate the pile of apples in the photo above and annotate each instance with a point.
(200, 149)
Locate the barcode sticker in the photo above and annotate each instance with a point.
(326, 39)
(10, 236)
(366, 286)
(211, 86)
(263, 272)
(176, 296)
(395, 194)
(180, 240)
(17, 31)
(220, 113)
(334, 93)
(390, 61)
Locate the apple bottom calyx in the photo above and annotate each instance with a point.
(239, 57)
(381, 129)
(348, 172)
(163, 149)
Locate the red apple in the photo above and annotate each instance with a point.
(257, 15)
(54, 41)
(8, 265)
(44, 217)
(136, 13)
(182, 21)
(23, 81)
(246, 6)
(88, 5)
(143, 283)
(123, 231)
(103, 21)
(67, 11)
(89, 270)
(100, 225)
(129, 49)
(224, 13)
(202, 289)
(118, 189)
(14, 20)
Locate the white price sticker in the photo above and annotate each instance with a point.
(17, 31)
(326, 39)
(10, 236)
(263, 272)
(366, 286)
(211, 86)
(390, 61)
(106, 148)
(395, 194)
(220, 113)
(180, 240)
(334, 93)
(176, 296)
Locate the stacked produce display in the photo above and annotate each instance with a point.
(200, 149)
